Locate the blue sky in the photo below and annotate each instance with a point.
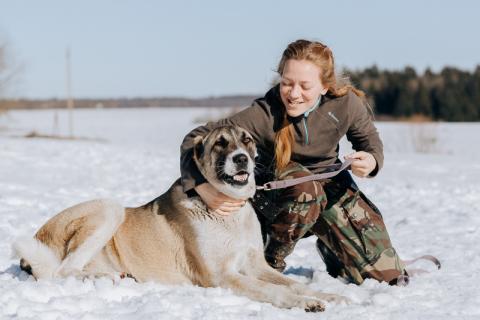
(203, 48)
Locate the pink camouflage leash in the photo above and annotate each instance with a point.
(279, 184)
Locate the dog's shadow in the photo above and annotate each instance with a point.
(16, 273)
(300, 271)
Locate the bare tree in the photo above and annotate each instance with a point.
(9, 71)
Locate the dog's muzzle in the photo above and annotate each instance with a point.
(240, 178)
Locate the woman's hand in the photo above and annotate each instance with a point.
(218, 202)
(364, 163)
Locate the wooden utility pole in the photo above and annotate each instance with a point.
(70, 104)
(55, 131)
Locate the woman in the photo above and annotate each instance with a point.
(297, 127)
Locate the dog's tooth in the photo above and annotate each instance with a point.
(240, 177)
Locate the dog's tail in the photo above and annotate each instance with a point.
(36, 257)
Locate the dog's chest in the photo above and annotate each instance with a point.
(226, 242)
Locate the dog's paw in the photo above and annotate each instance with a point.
(314, 306)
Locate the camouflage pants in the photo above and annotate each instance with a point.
(352, 237)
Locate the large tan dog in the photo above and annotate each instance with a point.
(173, 239)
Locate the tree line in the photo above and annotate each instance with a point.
(177, 102)
(449, 95)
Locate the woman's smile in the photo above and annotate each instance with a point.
(300, 86)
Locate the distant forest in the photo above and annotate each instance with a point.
(450, 95)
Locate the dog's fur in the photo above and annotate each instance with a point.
(173, 239)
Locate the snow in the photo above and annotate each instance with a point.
(428, 192)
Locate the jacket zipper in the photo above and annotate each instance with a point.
(306, 129)
(305, 116)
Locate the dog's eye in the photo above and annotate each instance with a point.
(247, 140)
(221, 142)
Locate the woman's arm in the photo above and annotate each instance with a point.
(365, 139)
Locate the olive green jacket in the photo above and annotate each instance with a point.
(317, 134)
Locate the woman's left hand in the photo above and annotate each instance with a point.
(364, 163)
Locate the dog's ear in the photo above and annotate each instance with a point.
(198, 147)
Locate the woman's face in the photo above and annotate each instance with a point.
(300, 86)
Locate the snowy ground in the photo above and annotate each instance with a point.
(428, 191)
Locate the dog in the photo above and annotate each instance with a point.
(174, 239)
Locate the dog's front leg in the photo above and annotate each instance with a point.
(278, 295)
(266, 273)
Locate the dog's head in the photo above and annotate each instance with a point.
(226, 158)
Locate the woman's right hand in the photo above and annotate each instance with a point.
(218, 202)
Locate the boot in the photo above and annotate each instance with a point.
(276, 252)
(335, 267)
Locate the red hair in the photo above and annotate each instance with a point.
(320, 55)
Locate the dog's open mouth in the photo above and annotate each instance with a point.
(240, 178)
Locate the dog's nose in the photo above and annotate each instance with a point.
(240, 159)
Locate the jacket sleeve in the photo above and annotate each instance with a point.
(253, 119)
(362, 133)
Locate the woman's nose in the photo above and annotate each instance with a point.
(295, 92)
